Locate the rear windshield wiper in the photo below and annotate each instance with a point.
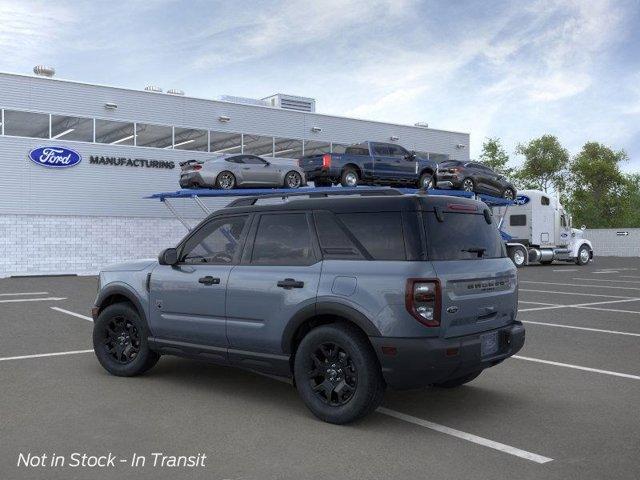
(479, 250)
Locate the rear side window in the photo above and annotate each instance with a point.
(336, 242)
(283, 239)
(381, 150)
(517, 220)
(462, 236)
(357, 151)
(379, 233)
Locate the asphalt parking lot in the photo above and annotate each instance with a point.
(566, 408)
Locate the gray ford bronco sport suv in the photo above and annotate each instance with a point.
(346, 294)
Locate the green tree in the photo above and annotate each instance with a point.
(545, 163)
(495, 156)
(600, 194)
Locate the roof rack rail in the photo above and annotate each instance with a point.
(319, 193)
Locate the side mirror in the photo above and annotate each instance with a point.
(169, 256)
(268, 163)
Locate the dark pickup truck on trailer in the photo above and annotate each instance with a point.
(370, 163)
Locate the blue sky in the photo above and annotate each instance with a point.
(515, 70)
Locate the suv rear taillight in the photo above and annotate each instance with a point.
(423, 300)
(326, 160)
(197, 167)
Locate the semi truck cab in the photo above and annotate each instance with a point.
(537, 229)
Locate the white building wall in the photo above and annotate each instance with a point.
(52, 244)
(612, 242)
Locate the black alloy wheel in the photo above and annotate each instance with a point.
(122, 340)
(333, 375)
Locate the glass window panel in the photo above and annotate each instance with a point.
(26, 124)
(312, 147)
(338, 148)
(72, 128)
(157, 136)
(113, 132)
(190, 139)
(379, 233)
(283, 239)
(224, 142)
(217, 243)
(258, 145)
(288, 148)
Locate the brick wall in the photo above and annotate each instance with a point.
(38, 244)
(609, 242)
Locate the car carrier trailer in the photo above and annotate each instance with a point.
(520, 242)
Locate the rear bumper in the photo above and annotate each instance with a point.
(419, 362)
(448, 181)
(190, 180)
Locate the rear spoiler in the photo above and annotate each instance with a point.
(190, 162)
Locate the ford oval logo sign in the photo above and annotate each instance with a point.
(521, 200)
(55, 157)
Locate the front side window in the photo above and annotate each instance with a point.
(397, 151)
(379, 233)
(462, 236)
(283, 239)
(216, 243)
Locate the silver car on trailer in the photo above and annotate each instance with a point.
(241, 170)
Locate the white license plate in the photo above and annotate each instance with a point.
(488, 344)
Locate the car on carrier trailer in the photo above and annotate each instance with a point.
(538, 230)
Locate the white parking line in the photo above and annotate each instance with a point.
(578, 367)
(48, 299)
(629, 276)
(583, 305)
(23, 293)
(485, 442)
(540, 303)
(73, 314)
(582, 328)
(607, 280)
(605, 272)
(607, 309)
(575, 293)
(40, 355)
(581, 285)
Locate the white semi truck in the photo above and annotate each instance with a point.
(537, 229)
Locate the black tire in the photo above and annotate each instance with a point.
(426, 181)
(468, 185)
(456, 382)
(348, 381)
(509, 194)
(292, 180)
(120, 341)
(226, 180)
(580, 259)
(347, 177)
(322, 183)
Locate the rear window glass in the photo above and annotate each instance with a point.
(379, 233)
(462, 236)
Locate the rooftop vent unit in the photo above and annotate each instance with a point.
(44, 71)
(153, 88)
(422, 124)
(292, 102)
(175, 91)
(244, 100)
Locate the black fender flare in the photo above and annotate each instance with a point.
(326, 308)
(124, 290)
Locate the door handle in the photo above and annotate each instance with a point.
(289, 283)
(209, 280)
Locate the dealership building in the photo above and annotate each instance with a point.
(127, 144)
